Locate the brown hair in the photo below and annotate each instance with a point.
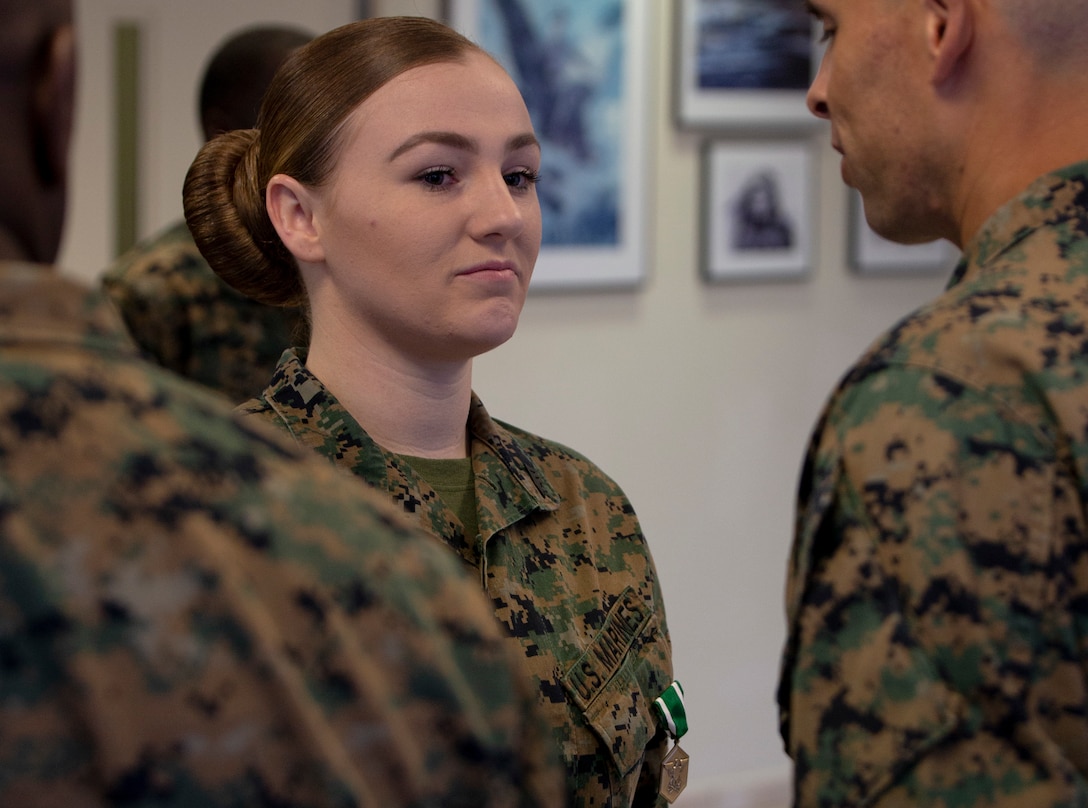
(298, 134)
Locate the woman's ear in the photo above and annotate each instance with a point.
(949, 31)
(290, 206)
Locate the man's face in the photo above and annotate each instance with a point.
(873, 87)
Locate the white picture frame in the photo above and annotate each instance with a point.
(757, 210)
(582, 67)
(743, 64)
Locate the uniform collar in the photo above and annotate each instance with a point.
(510, 484)
(514, 451)
(1049, 201)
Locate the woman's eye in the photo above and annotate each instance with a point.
(522, 179)
(436, 177)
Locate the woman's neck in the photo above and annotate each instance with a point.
(406, 408)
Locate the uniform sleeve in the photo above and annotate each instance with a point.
(920, 601)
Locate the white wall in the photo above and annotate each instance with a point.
(696, 398)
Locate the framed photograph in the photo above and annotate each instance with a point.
(757, 210)
(743, 63)
(871, 254)
(581, 66)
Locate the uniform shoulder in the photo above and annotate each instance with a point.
(538, 445)
(559, 461)
(158, 258)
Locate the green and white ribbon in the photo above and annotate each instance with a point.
(670, 709)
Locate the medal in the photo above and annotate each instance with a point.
(669, 707)
(674, 773)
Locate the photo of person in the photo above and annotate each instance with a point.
(757, 220)
(757, 209)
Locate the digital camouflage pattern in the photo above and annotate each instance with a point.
(938, 588)
(193, 612)
(185, 318)
(563, 560)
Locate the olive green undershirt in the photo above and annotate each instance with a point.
(454, 482)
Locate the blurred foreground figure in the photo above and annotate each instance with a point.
(193, 613)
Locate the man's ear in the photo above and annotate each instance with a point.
(950, 29)
(53, 107)
(291, 208)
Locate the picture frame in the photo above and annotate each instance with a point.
(743, 64)
(757, 218)
(873, 255)
(581, 66)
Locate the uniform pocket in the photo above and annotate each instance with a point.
(609, 682)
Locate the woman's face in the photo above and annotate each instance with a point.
(430, 225)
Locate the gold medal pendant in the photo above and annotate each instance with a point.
(674, 773)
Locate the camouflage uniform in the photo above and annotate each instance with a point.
(188, 320)
(938, 589)
(562, 558)
(194, 613)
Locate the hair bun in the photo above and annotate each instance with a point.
(225, 211)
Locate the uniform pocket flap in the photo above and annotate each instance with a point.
(608, 681)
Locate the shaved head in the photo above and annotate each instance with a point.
(1053, 31)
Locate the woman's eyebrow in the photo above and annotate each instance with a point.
(457, 141)
(443, 138)
(522, 141)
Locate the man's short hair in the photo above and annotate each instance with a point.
(239, 72)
